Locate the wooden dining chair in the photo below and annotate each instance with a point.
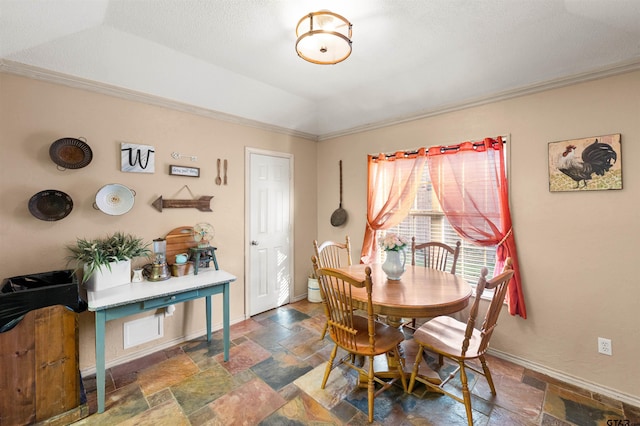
(460, 342)
(433, 255)
(359, 336)
(332, 254)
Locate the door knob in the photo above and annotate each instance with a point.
(254, 243)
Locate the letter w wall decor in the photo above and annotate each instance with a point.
(137, 158)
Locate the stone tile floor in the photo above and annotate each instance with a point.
(274, 373)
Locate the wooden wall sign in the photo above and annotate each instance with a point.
(137, 158)
(201, 203)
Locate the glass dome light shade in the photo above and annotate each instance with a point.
(324, 38)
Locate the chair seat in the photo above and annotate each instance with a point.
(387, 337)
(445, 334)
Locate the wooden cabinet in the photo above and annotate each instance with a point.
(39, 376)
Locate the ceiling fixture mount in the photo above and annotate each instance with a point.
(323, 38)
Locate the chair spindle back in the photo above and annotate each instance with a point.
(435, 255)
(331, 254)
(499, 284)
(336, 290)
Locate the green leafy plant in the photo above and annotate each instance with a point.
(92, 255)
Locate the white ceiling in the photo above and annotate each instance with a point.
(410, 58)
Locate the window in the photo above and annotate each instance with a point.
(427, 222)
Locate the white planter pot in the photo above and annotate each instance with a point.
(103, 278)
(313, 291)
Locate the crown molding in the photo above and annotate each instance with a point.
(609, 71)
(42, 74)
(106, 89)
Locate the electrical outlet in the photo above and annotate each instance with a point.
(604, 346)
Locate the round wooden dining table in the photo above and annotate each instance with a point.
(420, 293)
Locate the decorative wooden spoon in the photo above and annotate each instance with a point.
(218, 179)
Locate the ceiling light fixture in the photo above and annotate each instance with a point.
(323, 38)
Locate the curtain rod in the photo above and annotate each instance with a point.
(443, 149)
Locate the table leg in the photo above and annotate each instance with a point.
(101, 319)
(208, 313)
(225, 319)
(394, 322)
(386, 366)
(213, 257)
(196, 264)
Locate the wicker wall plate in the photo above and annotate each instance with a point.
(50, 205)
(70, 153)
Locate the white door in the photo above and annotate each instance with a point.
(270, 231)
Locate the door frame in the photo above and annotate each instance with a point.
(247, 222)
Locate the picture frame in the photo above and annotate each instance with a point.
(184, 171)
(587, 164)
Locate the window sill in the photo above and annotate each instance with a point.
(486, 295)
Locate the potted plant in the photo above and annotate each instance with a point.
(106, 262)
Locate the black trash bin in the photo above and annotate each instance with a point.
(22, 294)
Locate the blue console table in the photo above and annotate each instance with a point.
(133, 298)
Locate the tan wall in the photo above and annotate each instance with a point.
(33, 114)
(577, 250)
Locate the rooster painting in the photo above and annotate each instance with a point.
(596, 159)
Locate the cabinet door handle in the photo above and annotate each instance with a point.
(254, 243)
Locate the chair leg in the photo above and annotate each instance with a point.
(327, 371)
(400, 365)
(324, 330)
(487, 374)
(465, 393)
(370, 389)
(416, 367)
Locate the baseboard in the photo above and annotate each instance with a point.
(299, 298)
(566, 378)
(155, 348)
(293, 300)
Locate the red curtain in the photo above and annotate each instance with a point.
(391, 189)
(471, 184)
